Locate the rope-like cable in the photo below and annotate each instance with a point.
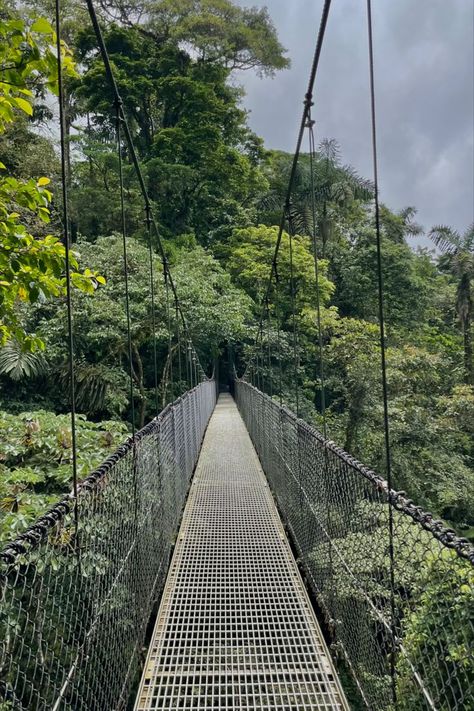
(307, 104)
(328, 483)
(312, 155)
(269, 352)
(170, 340)
(178, 340)
(66, 234)
(125, 260)
(294, 325)
(388, 457)
(153, 311)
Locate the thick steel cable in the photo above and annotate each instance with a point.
(153, 310)
(307, 104)
(67, 251)
(383, 360)
(125, 259)
(132, 152)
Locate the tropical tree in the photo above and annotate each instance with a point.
(336, 188)
(458, 251)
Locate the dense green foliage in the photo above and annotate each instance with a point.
(217, 193)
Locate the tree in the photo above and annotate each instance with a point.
(215, 309)
(336, 189)
(213, 30)
(200, 158)
(459, 260)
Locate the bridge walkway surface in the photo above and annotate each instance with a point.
(235, 629)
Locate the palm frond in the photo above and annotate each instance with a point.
(329, 149)
(468, 239)
(445, 238)
(407, 214)
(363, 188)
(17, 364)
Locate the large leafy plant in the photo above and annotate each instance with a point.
(31, 267)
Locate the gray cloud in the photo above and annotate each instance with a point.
(424, 53)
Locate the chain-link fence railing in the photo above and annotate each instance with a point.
(74, 606)
(400, 608)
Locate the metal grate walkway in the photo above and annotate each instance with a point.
(235, 628)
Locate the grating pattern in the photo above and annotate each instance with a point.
(235, 628)
(71, 633)
(338, 513)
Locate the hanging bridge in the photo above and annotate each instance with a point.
(229, 555)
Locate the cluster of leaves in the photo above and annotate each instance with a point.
(31, 268)
(35, 461)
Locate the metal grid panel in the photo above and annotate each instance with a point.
(338, 513)
(235, 628)
(71, 635)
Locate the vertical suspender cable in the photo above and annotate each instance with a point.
(327, 483)
(293, 316)
(125, 257)
(312, 154)
(170, 340)
(277, 316)
(178, 341)
(269, 351)
(388, 458)
(153, 312)
(66, 233)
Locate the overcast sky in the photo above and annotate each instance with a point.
(425, 96)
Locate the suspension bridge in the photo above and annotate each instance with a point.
(229, 555)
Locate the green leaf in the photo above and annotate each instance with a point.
(42, 26)
(23, 105)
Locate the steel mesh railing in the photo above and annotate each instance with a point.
(337, 512)
(72, 626)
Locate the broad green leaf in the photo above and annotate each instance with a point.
(42, 26)
(23, 105)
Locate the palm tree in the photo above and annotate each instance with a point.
(336, 186)
(459, 251)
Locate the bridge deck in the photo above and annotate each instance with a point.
(235, 628)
